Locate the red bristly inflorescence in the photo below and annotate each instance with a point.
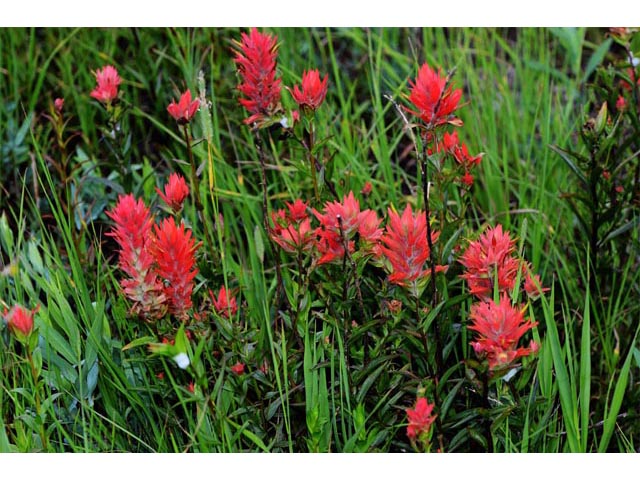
(224, 303)
(255, 57)
(488, 259)
(132, 232)
(185, 109)
(339, 224)
(107, 89)
(434, 100)
(20, 319)
(313, 90)
(404, 245)
(175, 191)
(174, 251)
(292, 228)
(500, 327)
(420, 419)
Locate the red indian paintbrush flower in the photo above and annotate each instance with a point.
(175, 191)
(174, 252)
(490, 258)
(224, 304)
(421, 419)
(20, 319)
(533, 284)
(58, 104)
(107, 89)
(132, 232)
(185, 109)
(434, 100)
(405, 247)
(238, 368)
(339, 224)
(256, 60)
(292, 228)
(500, 327)
(313, 90)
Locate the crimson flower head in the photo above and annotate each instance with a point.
(238, 368)
(488, 259)
(20, 320)
(421, 419)
(499, 327)
(224, 304)
(58, 104)
(185, 109)
(175, 191)
(255, 57)
(107, 89)
(292, 228)
(533, 284)
(132, 232)
(313, 90)
(434, 100)
(174, 251)
(404, 245)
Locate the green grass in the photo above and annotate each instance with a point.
(338, 376)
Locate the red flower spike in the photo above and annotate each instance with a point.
(467, 179)
(405, 247)
(185, 109)
(434, 100)
(292, 228)
(107, 89)
(500, 327)
(621, 103)
(489, 257)
(132, 232)
(174, 252)
(20, 319)
(313, 90)
(255, 58)
(175, 191)
(533, 285)
(224, 304)
(420, 419)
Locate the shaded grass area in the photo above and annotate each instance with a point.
(322, 390)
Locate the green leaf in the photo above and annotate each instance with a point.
(596, 58)
(566, 156)
(259, 244)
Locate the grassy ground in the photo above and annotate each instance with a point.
(338, 374)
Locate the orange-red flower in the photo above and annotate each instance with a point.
(108, 80)
(174, 251)
(313, 90)
(533, 284)
(185, 109)
(420, 419)
(500, 327)
(488, 259)
(434, 100)
(292, 228)
(238, 368)
(224, 304)
(175, 191)
(405, 247)
(255, 57)
(132, 232)
(20, 319)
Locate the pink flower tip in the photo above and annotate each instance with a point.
(185, 109)
(108, 80)
(175, 191)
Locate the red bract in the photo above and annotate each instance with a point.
(434, 100)
(292, 228)
(175, 191)
(174, 251)
(499, 327)
(420, 419)
(405, 247)
(490, 258)
(107, 89)
(313, 90)
(339, 224)
(58, 104)
(132, 232)
(533, 284)
(256, 60)
(224, 304)
(185, 109)
(238, 368)
(20, 319)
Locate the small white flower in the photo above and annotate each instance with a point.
(284, 122)
(635, 61)
(182, 360)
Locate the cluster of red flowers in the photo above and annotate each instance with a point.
(421, 419)
(292, 228)
(108, 81)
(492, 267)
(159, 259)
(19, 320)
(185, 109)
(224, 304)
(435, 104)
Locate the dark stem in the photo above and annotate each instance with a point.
(487, 406)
